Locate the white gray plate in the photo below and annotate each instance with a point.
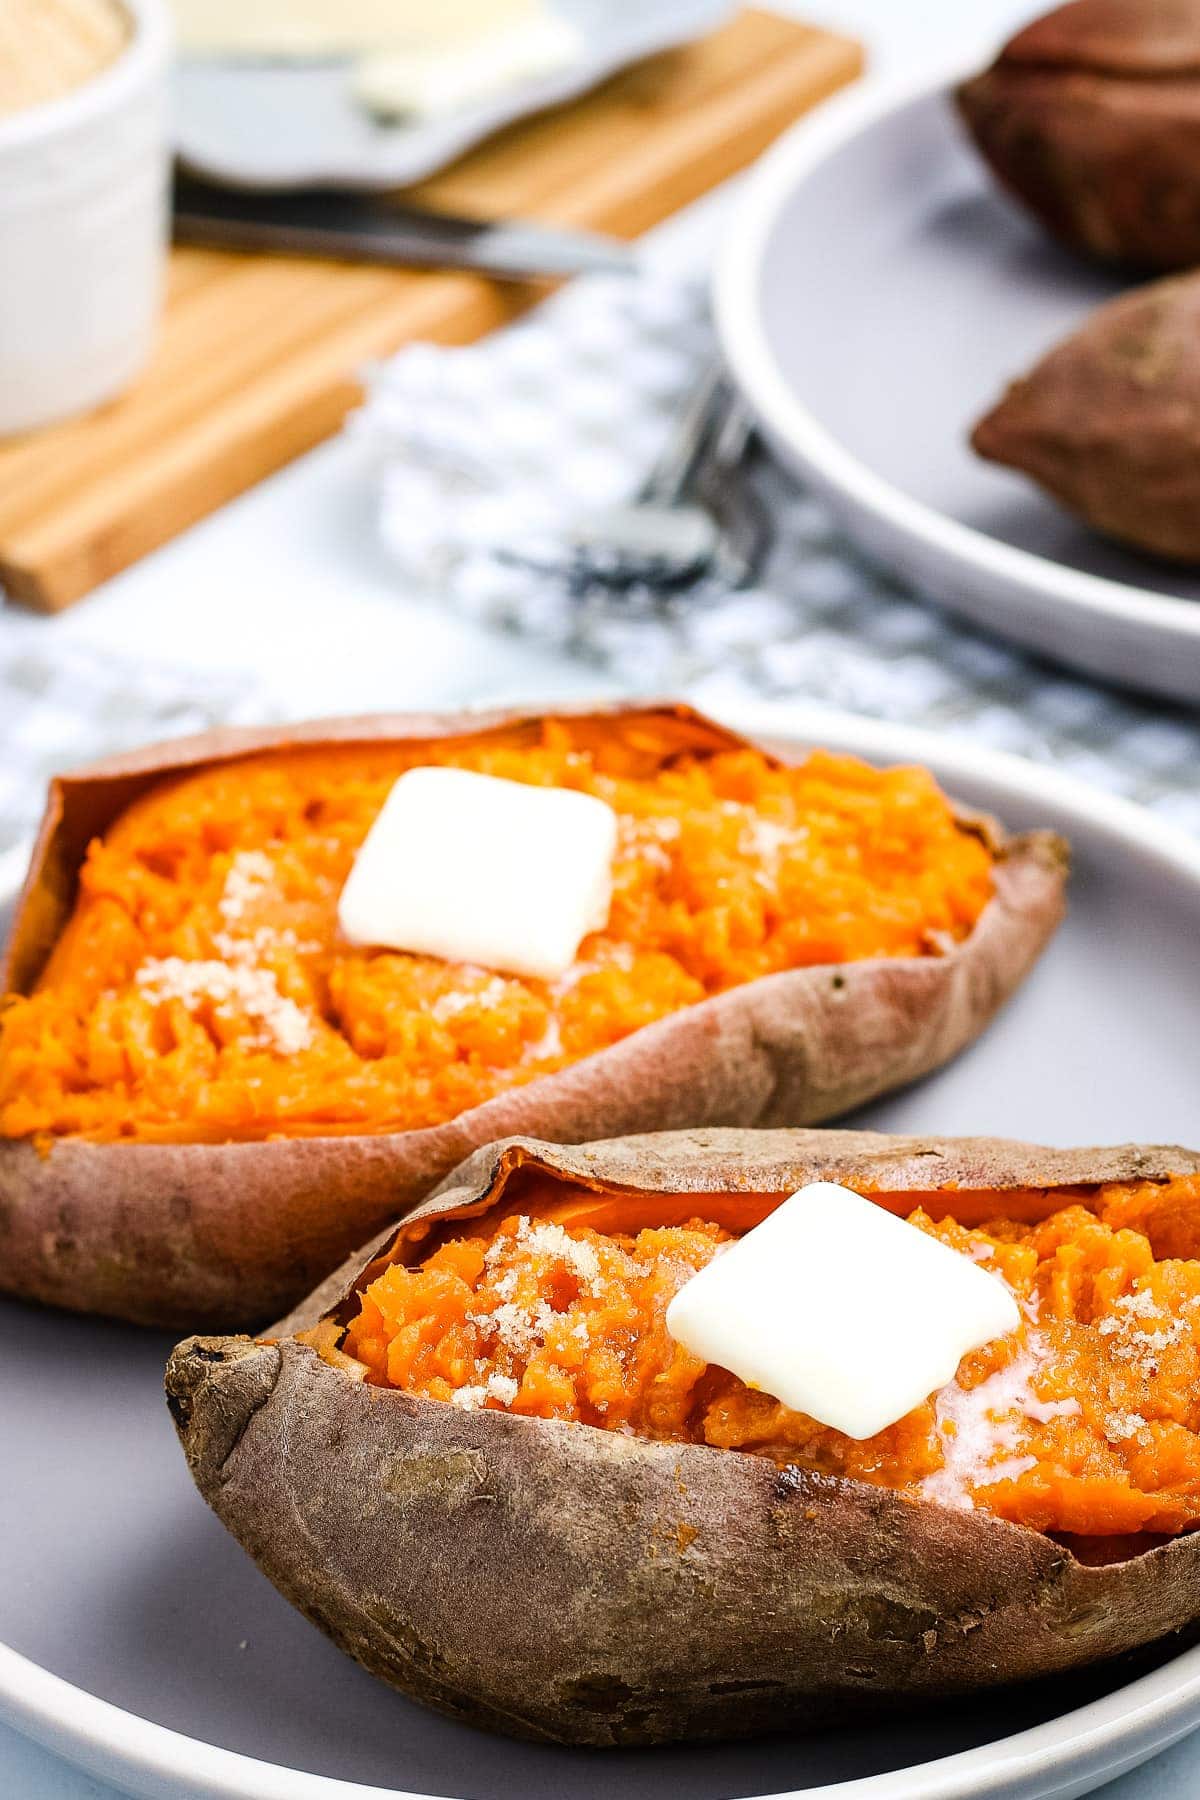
(262, 124)
(875, 294)
(141, 1643)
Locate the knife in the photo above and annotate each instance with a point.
(358, 227)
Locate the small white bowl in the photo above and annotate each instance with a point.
(83, 232)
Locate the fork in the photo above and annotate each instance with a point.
(690, 523)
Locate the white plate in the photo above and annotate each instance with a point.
(875, 294)
(261, 124)
(143, 1645)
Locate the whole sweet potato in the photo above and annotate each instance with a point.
(562, 1581)
(1109, 421)
(231, 1232)
(1091, 116)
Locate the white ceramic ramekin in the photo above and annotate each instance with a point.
(83, 231)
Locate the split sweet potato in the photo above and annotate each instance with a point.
(181, 1151)
(556, 1579)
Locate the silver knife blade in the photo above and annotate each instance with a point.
(371, 228)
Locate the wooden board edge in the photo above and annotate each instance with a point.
(48, 581)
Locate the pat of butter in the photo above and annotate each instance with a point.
(841, 1310)
(434, 80)
(479, 870)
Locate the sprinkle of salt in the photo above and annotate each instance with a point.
(235, 981)
(647, 838)
(1121, 1426)
(460, 1000)
(1138, 1343)
(497, 1387)
(521, 1328)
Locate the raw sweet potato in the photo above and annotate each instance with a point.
(1108, 422)
(1091, 116)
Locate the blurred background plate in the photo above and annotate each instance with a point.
(279, 124)
(868, 364)
(141, 1643)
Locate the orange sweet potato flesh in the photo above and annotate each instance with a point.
(201, 990)
(1085, 1420)
(785, 944)
(716, 1588)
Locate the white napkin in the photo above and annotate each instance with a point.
(491, 447)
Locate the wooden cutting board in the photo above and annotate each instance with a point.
(258, 357)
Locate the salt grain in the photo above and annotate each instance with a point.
(1120, 1426)
(764, 840)
(519, 1328)
(249, 873)
(449, 1006)
(1136, 1344)
(553, 1241)
(502, 1388)
(255, 992)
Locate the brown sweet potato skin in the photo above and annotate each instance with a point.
(1091, 116)
(222, 1235)
(1109, 421)
(562, 1582)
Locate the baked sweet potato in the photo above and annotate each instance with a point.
(1108, 422)
(503, 1556)
(1091, 116)
(168, 1161)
